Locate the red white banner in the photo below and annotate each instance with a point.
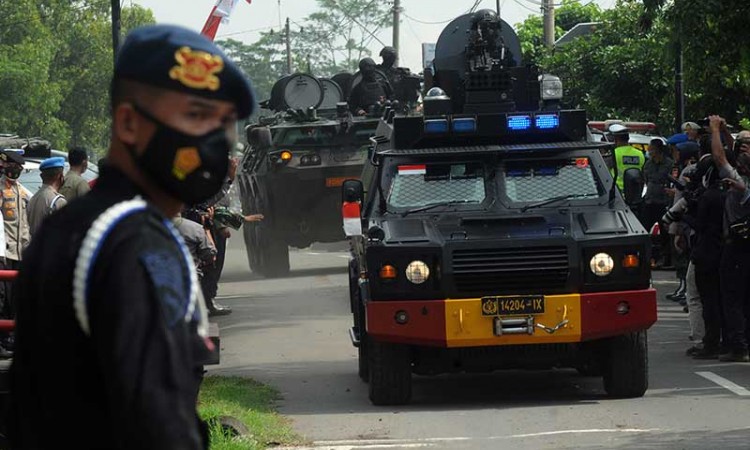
(219, 14)
(412, 170)
(351, 212)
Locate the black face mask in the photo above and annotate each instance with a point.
(190, 168)
(13, 172)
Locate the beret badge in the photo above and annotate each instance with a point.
(196, 69)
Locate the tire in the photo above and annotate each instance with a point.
(363, 366)
(626, 369)
(390, 373)
(251, 246)
(273, 255)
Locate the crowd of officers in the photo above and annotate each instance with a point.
(24, 211)
(698, 194)
(205, 231)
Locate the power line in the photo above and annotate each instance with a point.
(518, 2)
(425, 22)
(253, 30)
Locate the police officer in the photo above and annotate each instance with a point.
(370, 91)
(47, 199)
(15, 200)
(626, 157)
(111, 334)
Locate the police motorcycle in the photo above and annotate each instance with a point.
(489, 234)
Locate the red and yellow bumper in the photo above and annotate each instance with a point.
(460, 322)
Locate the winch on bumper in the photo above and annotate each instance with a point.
(465, 323)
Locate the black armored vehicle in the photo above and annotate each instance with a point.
(294, 169)
(489, 234)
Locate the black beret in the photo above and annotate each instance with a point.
(12, 157)
(180, 59)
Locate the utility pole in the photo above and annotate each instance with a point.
(288, 48)
(396, 25)
(116, 25)
(548, 9)
(679, 86)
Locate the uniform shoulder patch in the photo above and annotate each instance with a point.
(169, 279)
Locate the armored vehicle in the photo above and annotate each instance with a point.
(488, 234)
(294, 168)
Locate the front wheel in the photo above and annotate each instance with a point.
(273, 255)
(389, 366)
(626, 367)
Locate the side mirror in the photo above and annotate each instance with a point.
(633, 186)
(352, 191)
(259, 137)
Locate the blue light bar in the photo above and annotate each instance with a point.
(547, 121)
(519, 123)
(465, 125)
(436, 126)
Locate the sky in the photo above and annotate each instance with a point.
(249, 19)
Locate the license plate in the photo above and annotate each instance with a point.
(510, 306)
(337, 181)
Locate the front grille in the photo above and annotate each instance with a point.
(510, 270)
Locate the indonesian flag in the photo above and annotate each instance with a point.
(352, 221)
(420, 169)
(220, 14)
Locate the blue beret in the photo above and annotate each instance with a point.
(180, 59)
(56, 162)
(677, 139)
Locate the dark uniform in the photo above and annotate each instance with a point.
(111, 331)
(370, 90)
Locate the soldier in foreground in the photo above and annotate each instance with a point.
(111, 327)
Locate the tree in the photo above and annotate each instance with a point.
(569, 14)
(618, 71)
(714, 40)
(331, 40)
(55, 68)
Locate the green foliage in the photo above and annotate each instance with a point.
(329, 41)
(618, 71)
(55, 67)
(625, 69)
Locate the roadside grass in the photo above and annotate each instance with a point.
(250, 402)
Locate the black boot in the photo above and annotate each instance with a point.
(679, 293)
(215, 309)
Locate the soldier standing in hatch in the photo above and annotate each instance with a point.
(370, 91)
(388, 66)
(109, 291)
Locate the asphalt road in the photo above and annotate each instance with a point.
(292, 334)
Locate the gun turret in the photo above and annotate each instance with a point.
(478, 65)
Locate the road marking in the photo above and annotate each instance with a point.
(427, 442)
(723, 382)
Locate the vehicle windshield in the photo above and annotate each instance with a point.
(305, 136)
(30, 177)
(537, 181)
(419, 185)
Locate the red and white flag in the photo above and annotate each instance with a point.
(351, 212)
(417, 169)
(220, 14)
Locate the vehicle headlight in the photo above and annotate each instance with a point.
(602, 264)
(417, 272)
(551, 87)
